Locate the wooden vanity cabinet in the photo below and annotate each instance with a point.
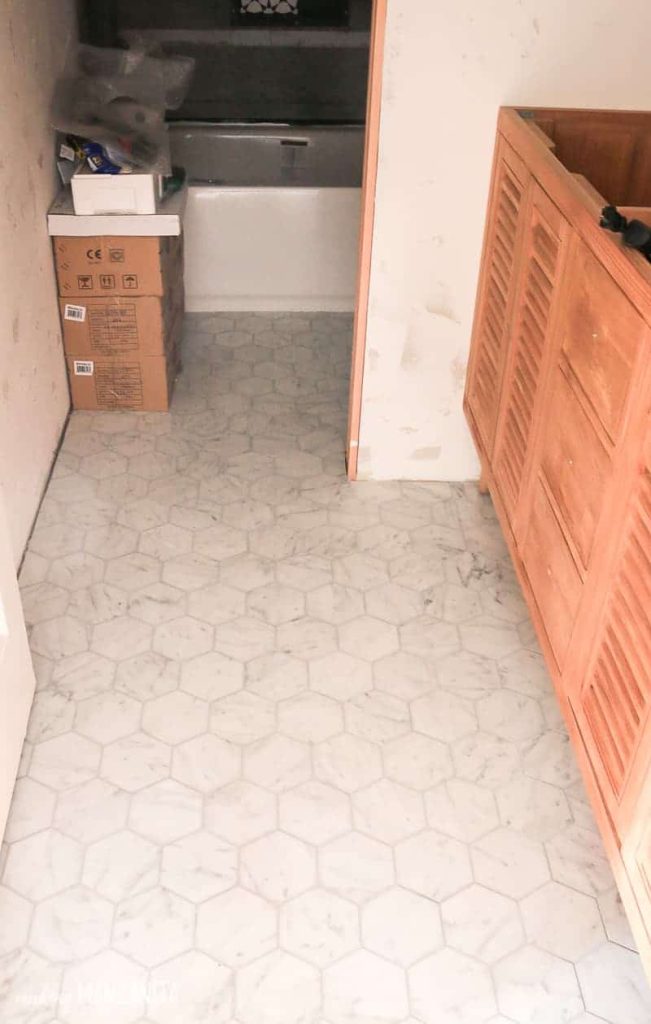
(558, 399)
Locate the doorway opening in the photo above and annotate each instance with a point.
(278, 136)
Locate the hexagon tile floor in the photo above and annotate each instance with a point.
(294, 757)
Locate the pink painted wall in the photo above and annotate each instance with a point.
(34, 39)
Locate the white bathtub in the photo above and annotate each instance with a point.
(272, 219)
(271, 248)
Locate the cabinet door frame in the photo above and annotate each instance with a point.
(539, 204)
(504, 155)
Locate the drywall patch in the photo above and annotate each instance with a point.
(433, 452)
(458, 373)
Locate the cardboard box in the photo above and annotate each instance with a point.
(117, 265)
(142, 384)
(120, 327)
(94, 193)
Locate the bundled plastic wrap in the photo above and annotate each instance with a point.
(118, 98)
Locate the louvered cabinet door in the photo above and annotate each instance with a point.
(544, 245)
(636, 855)
(612, 705)
(500, 267)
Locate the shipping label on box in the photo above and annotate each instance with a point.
(140, 385)
(119, 327)
(104, 265)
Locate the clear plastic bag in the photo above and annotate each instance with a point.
(118, 98)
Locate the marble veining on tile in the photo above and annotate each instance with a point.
(294, 756)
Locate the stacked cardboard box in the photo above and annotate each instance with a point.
(121, 304)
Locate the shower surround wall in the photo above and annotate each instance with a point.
(448, 67)
(33, 387)
(258, 74)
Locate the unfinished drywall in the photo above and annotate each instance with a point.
(34, 39)
(448, 67)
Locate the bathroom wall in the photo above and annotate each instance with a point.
(295, 75)
(33, 386)
(448, 67)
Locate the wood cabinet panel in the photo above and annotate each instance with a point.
(552, 574)
(610, 154)
(544, 238)
(602, 334)
(495, 300)
(559, 400)
(576, 464)
(614, 702)
(636, 854)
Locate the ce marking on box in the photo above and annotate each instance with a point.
(94, 255)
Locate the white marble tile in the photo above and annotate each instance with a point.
(121, 865)
(183, 638)
(91, 811)
(340, 676)
(15, 919)
(614, 985)
(211, 676)
(510, 863)
(577, 859)
(482, 924)
(433, 865)
(461, 809)
(401, 926)
(71, 926)
(242, 717)
(356, 866)
(30, 988)
(157, 603)
(199, 866)
(319, 927)
(377, 717)
(240, 812)
(277, 866)
(244, 638)
(534, 986)
(444, 716)
(449, 986)
(403, 676)
(192, 988)
(153, 927)
(278, 763)
(65, 761)
(237, 927)
(348, 762)
(388, 811)
(42, 865)
(175, 717)
(107, 717)
(107, 989)
(278, 989)
(165, 811)
(32, 809)
(364, 987)
(582, 931)
(417, 761)
(146, 675)
(216, 604)
(314, 812)
(310, 717)
(135, 762)
(539, 810)
(276, 676)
